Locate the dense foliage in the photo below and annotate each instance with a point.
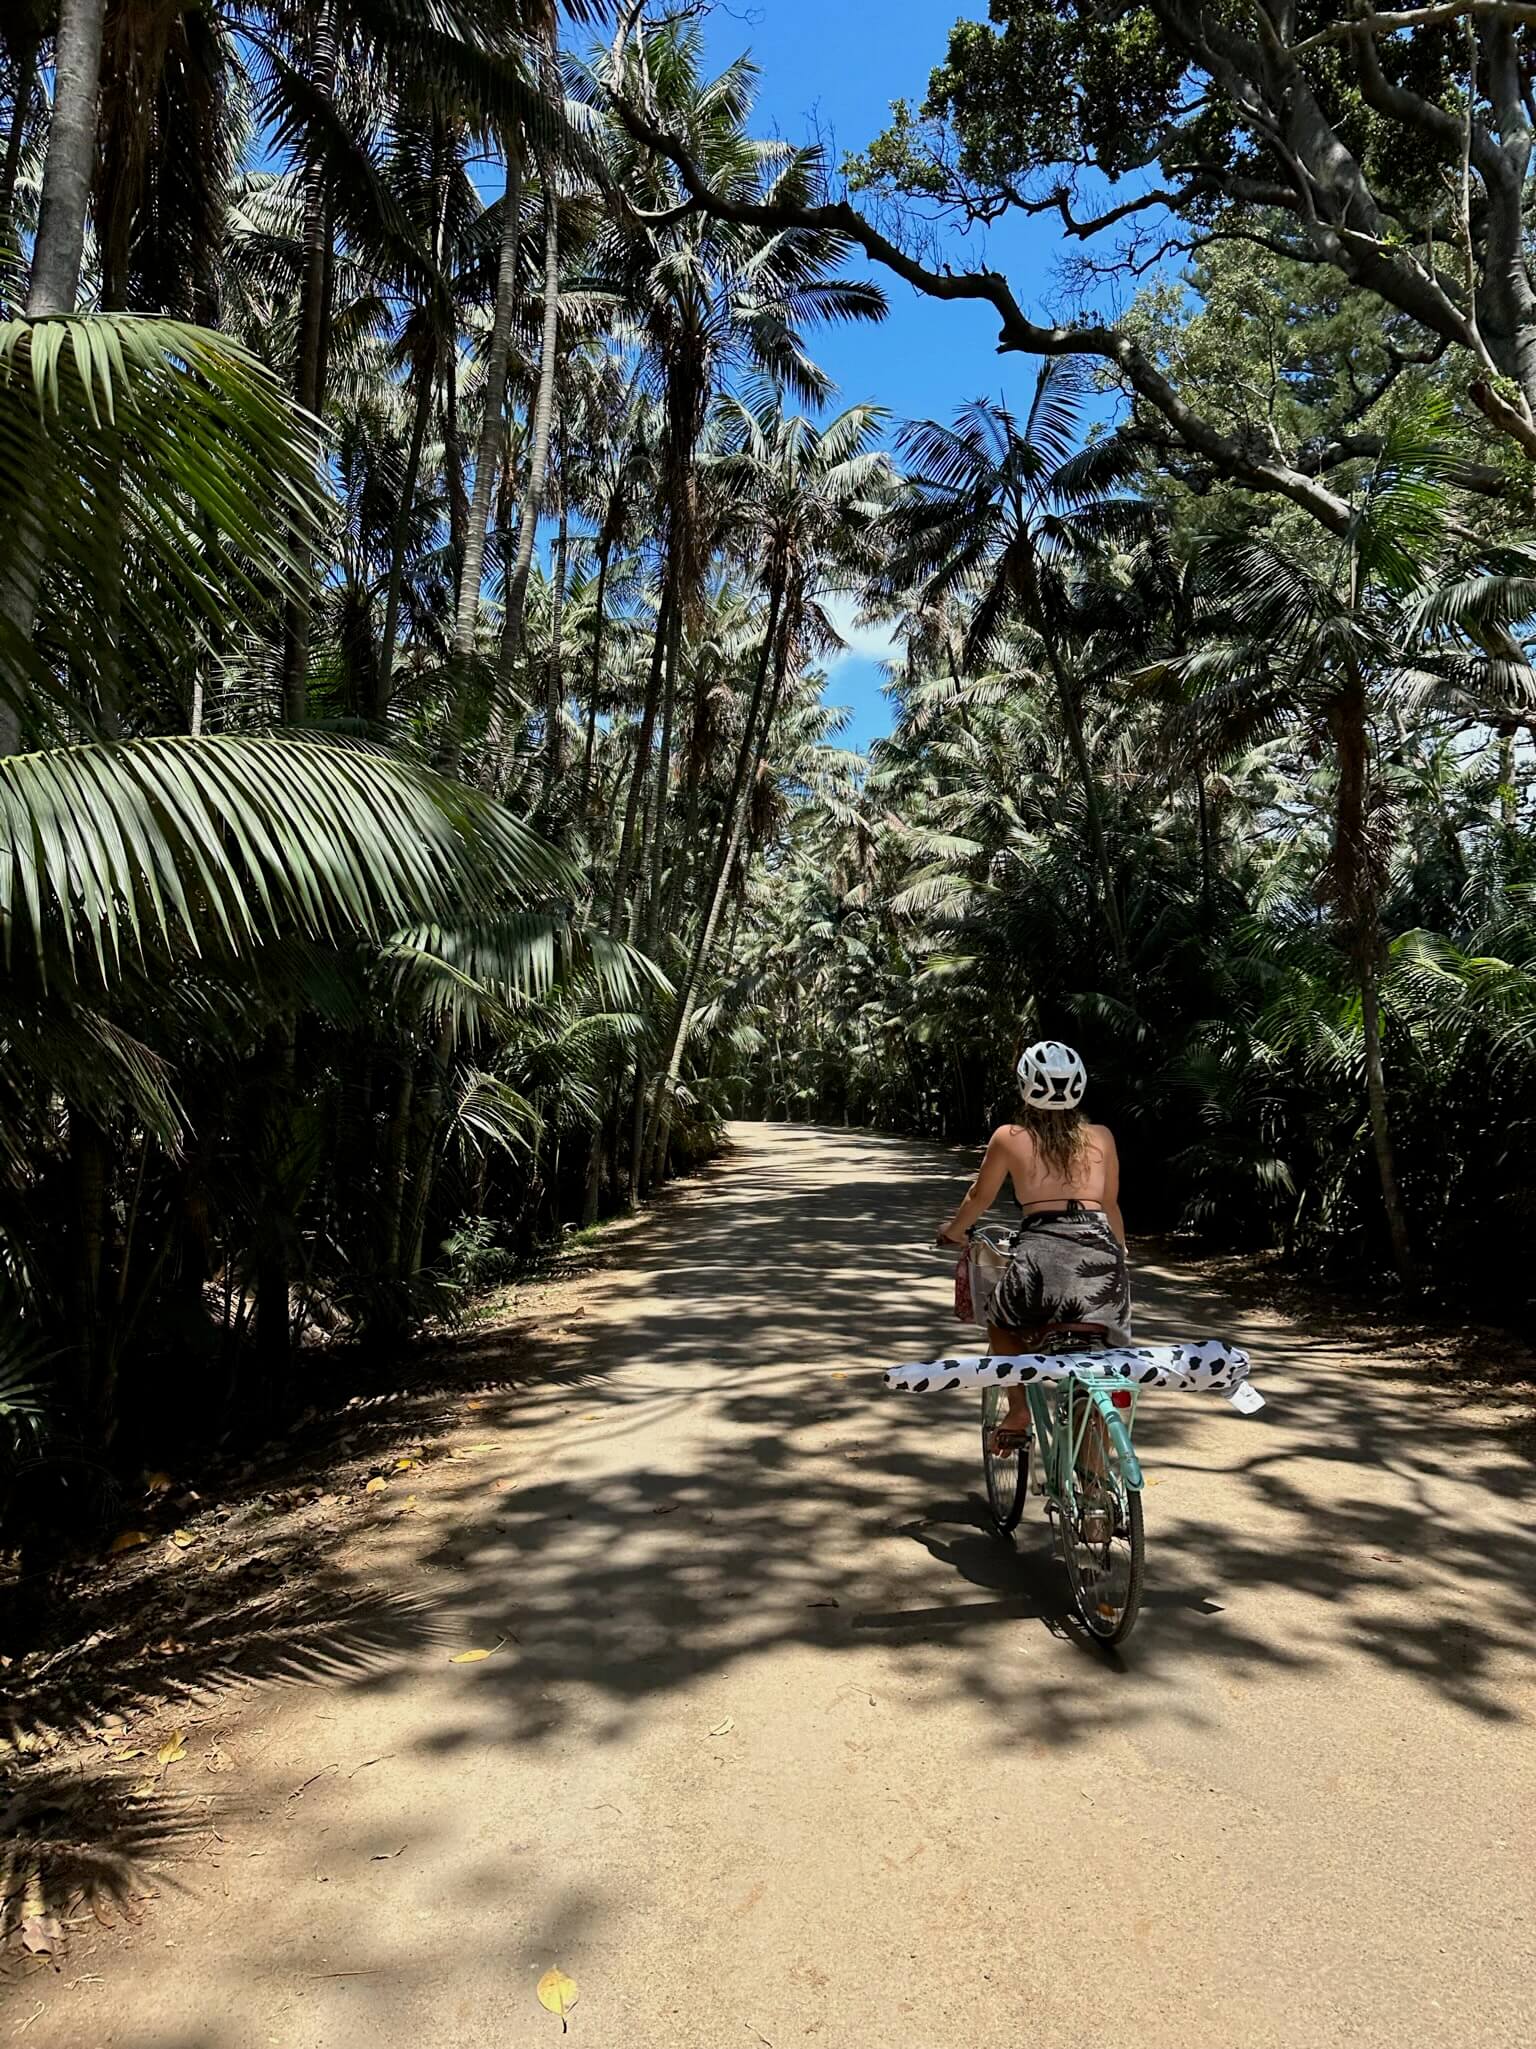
(420, 512)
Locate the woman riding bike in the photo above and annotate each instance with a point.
(1068, 1269)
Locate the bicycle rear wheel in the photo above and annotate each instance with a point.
(1007, 1478)
(1100, 1529)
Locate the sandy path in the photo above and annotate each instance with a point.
(783, 1748)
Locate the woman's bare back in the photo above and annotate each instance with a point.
(1093, 1177)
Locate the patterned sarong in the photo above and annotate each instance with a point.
(1067, 1267)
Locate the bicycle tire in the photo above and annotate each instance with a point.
(1106, 1579)
(1006, 1479)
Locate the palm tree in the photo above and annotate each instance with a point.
(706, 299)
(814, 493)
(1324, 646)
(1007, 511)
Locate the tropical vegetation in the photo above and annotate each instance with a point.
(424, 523)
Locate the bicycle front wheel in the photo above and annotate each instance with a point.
(1007, 1478)
(1100, 1529)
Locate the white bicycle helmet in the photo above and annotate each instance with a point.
(1052, 1076)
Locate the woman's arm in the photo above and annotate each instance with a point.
(982, 1193)
(1112, 1189)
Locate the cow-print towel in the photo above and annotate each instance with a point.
(1205, 1364)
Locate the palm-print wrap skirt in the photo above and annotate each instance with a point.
(1067, 1267)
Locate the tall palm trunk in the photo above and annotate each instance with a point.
(534, 486)
(69, 162)
(1356, 888)
(24, 62)
(426, 385)
(554, 675)
(631, 834)
(493, 428)
(641, 771)
(604, 550)
(55, 279)
(309, 367)
(424, 368)
(773, 659)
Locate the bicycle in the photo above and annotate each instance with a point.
(1088, 1474)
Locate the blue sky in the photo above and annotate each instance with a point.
(836, 67)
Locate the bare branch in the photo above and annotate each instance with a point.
(1520, 12)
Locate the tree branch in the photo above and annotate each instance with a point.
(1017, 332)
(1391, 24)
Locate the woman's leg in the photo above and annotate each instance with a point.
(1016, 1422)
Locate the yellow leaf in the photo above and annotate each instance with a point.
(468, 1657)
(144, 1787)
(375, 1486)
(127, 1540)
(183, 1539)
(174, 1748)
(409, 1502)
(158, 1483)
(404, 1464)
(724, 1728)
(557, 1994)
(122, 1756)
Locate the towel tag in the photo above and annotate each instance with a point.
(1245, 1398)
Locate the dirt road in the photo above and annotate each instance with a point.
(782, 1748)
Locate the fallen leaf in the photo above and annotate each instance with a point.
(724, 1728)
(375, 1486)
(839, 1376)
(144, 1787)
(158, 1483)
(387, 1856)
(403, 1465)
(826, 1601)
(667, 1508)
(409, 1501)
(122, 1756)
(173, 1748)
(557, 1994)
(183, 1539)
(127, 1540)
(468, 1657)
(42, 1935)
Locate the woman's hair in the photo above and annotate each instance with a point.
(1058, 1134)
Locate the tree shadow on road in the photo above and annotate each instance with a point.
(714, 1476)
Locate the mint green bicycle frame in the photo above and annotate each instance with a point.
(1060, 1438)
